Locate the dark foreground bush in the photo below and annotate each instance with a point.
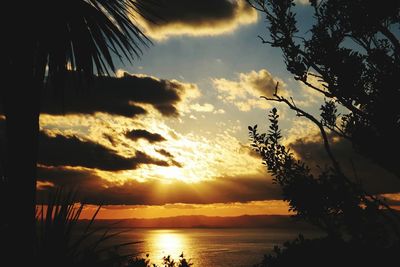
(167, 262)
(327, 252)
(63, 240)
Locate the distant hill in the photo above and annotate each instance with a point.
(194, 221)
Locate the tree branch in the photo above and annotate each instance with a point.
(345, 103)
(327, 94)
(392, 38)
(302, 113)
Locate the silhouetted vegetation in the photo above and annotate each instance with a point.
(168, 261)
(329, 252)
(342, 209)
(48, 39)
(330, 200)
(352, 52)
(63, 240)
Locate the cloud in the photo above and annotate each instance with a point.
(62, 150)
(392, 199)
(302, 2)
(171, 157)
(165, 153)
(140, 133)
(373, 178)
(207, 107)
(245, 93)
(95, 190)
(198, 18)
(82, 179)
(124, 96)
(219, 111)
(308, 96)
(198, 154)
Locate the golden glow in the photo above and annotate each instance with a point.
(167, 242)
(393, 197)
(202, 157)
(267, 207)
(43, 185)
(171, 172)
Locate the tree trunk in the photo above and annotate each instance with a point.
(21, 108)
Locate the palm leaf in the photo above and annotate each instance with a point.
(62, 243)
(87, 36)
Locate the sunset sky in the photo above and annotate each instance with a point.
(168, 134)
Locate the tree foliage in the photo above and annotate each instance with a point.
(351, 56)
(80, 35)
(328, 253)
(43, 41)
(353, 50)
(328, 200)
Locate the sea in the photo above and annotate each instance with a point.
(207, 247)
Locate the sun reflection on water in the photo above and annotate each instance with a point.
(167, 242)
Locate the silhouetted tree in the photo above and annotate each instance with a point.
(328, 253)
(42, 40)
(355, 222)
(353, 50)
(328, 200)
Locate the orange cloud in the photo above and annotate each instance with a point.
(196, 156)
(96, 189)
(126, 95)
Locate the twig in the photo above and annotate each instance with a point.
(302, 113)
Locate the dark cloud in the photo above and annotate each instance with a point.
(165, 153)
(373, 178)
(171, 157)
(175, 163)
(110, 138)
(143, 158)
(140, 133)
(197, 12)
(119, 96)
(71, 151)
(95, 190)
(206, 17)
(60, 176)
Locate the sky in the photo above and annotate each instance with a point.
(167, 135)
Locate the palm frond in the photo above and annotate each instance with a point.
(88, 36)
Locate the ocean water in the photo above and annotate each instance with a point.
(208, 247)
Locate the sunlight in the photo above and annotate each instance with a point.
(167, 242)
(170, 242)
(170, 173)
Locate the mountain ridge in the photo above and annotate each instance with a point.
(202, 221)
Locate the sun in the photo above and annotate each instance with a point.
(170, 173)
(173, 173)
